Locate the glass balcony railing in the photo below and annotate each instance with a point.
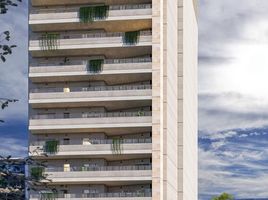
(106, 141)
(100, 168)
(99, 195)
(93, 89)
(84, 61)
(72, 35)
(93, 115)
(76, 9)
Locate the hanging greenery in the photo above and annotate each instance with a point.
(37, 173)
(48, 196)
(51, 146)
(91, 13)
(117, 145)
(95, 66)
(131, 38)
(49, 41)
(140, 113)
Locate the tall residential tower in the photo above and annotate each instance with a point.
(113, 98)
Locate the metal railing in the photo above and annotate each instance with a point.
(92, 89)
(100, 168)
(105, 141)
(99, 195)
(76, 9)
(84, 61)
(67, 35)
(92, 115)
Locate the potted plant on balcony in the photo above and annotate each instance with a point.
(95, 66)
(140, 113)
(91, 13)
(131, 37)
(51, 146)
(49, 41)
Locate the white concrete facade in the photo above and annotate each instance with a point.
(128, 130)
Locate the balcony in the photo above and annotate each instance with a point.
(76, 69)
(94, 44)
(51, 123)
(128, 148)
(98, 175)
(100, 196)
(67, 18)
(98, 96)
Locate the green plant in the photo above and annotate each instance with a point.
(95, 65)
(49, 41)
(37, 173)
(131, 37)
(51, 146)
(223, 196)
(117, 145)
(91, 13)
(140, 113)
(48, 195)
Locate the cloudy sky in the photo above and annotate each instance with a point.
(233, 95)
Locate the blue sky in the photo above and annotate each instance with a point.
(233, 97)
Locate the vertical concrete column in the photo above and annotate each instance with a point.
(157, 100)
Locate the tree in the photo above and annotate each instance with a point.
(5, 48)
(13, 182)
(4, 102)
(223, 196)
(4, 4)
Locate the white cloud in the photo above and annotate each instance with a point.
(13, 80)
(12, 146)
(216, 175)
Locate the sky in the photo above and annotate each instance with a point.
(233, 100)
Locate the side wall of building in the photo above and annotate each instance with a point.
(188, 153)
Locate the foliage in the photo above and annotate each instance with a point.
(117, 145)
(4, 4)
(51, 146)
(4, 103)
(49, 41)
(5, 49)
(95, 65)
(37, 173)
(91, 13)
(13, 183)
(48, 195)
(140, 113)
(223, 196)
(131, 38)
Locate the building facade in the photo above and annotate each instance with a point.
(113, 98)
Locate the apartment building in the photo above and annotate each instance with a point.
(113, 99)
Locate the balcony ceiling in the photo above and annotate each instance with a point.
(119, 104)
(110, 79)
(108, 25)
(109, 157)
(112, 52)
(108, 131)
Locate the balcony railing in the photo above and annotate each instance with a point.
(93, 115)
(98, 195)
(96, 88)
(107, 141)
(76, 9)
(91, 35)
(100, 168)
(84, 61)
